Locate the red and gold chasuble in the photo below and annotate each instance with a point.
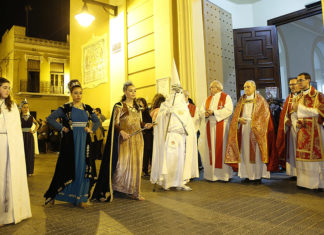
(219, 133)
(309, 141)
(262, 133)
(282, 135)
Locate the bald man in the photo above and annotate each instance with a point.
(214, 115)
(251, 138)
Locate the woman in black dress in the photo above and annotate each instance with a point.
(147, 136)
(27, 121)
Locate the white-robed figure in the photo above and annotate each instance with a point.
(214, 115)
(175, 156)
(14, 194)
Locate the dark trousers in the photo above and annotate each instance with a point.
(199, 158)
(42, 145)
(147, 159)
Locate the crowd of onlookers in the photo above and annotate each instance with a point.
(49, 139)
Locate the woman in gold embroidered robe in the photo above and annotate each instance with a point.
(127, 120)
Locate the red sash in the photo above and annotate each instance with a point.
(192, 109)
(282, 142)
(219, 133)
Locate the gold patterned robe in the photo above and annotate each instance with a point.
(127, 177)
(261, 134)
(310, 139)
(309, 143)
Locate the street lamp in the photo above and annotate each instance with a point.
(84, 18)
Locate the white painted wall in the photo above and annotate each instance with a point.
(299, 43)
(258, 13)
(265, 10)
(299, 48)
(242, 14)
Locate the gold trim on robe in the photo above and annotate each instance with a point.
(259, 130)
(309, 140)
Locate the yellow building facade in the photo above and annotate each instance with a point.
(142, 41)
(38, 70)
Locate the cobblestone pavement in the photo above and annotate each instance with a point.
(275, 207)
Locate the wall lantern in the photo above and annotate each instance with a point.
(84, 18)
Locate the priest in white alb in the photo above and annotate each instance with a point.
(214, 117)
(310, 135)
(175, 156)
(251, 138)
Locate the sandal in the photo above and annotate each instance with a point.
(50, 203)
(84, 205)
(139, 197)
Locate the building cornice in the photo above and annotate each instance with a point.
(57, 60)
(37, 51)
(41, 42)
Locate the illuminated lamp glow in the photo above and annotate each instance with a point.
(84, 18)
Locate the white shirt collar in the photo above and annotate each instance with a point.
(250, 97)
(306, 91)
(217, 94)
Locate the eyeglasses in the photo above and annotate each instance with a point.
(292, 84)
(301, 80)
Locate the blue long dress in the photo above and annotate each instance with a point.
(77, 191)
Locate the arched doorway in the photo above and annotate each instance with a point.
(319, 65)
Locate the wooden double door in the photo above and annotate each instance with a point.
(257, 57)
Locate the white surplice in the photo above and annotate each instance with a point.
(175, 156)
(14, 194)
(310, 174)
(252, 171)
(210, 172)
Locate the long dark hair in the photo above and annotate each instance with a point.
(126, 85)
(157, 101)
(143, 101)
(8, 100)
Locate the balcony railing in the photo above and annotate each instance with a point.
(45, 88)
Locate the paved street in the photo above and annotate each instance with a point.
(275, 207)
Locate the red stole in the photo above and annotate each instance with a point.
(192, 109)
(282, 135)
(309, 141)
(219, 133)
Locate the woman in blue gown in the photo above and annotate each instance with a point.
(74, 174)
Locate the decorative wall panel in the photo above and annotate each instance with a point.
(94, 62)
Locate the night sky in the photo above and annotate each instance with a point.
(49, 19)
